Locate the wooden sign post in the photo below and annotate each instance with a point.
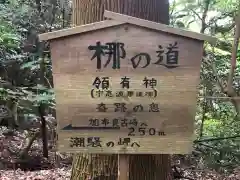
(125, 86)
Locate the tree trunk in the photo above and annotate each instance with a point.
(105, 167)
(89, 11)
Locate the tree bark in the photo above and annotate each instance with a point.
(105, 167)
(89, 11)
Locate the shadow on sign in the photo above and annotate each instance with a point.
(70, 127)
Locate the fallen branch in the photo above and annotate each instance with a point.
(30, 141)
(217, 149)
(216, 139)
(179, 175)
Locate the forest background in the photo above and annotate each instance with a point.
(27, 104)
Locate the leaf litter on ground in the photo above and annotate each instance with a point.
(52, 174)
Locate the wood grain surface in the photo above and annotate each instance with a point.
(74, 73)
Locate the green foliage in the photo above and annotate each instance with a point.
(21, 21)
(220, 117)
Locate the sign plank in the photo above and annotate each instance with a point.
(126, 89)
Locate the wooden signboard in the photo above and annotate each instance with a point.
(125, 85)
